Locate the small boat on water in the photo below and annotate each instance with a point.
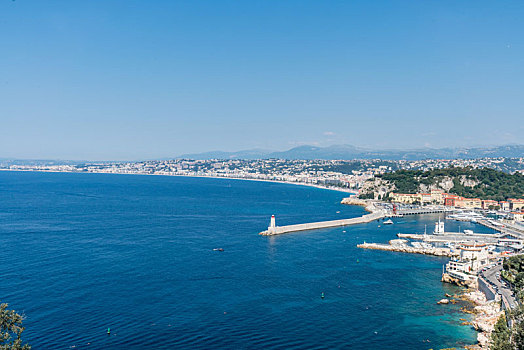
(388, 222)
(218, 249)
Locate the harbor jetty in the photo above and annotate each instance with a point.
(404, 248)
(375, 214)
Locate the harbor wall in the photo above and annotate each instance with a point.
(321, 224)
(485, 288)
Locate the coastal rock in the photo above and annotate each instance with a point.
(486, 313)
(465, 181)
(443, 301)
(446, 183)
(448, 279)
(378, 187)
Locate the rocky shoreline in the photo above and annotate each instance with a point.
(485, 315)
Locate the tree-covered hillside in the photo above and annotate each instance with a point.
(483, 183)
(504, 337)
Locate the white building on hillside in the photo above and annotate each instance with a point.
(472, 257)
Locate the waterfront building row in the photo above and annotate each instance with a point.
(442, 198)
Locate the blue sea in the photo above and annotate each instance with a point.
(81, 253)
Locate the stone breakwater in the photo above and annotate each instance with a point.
(277, 230)
(374, 214)
(408, 249)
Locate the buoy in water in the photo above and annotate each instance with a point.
(322, 295)
(108, 330)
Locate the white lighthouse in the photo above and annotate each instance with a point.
(272, 225)
(439, 227)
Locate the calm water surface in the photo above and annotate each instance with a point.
(84, 252)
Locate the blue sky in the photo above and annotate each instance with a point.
(148, 79)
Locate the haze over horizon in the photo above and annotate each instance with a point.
(129, 80)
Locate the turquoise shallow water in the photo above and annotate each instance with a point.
(83, 252)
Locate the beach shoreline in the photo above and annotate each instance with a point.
(342, 190)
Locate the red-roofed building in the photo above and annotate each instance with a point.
(461, 202)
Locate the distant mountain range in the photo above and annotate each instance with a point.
(351, 152)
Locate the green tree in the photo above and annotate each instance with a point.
(519, 280)
(517, 331)
(501, 336)
(11, 330)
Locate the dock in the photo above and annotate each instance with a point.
(507, 230)
(452, 237)
(277, 230)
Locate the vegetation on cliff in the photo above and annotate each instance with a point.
(501, 335)
(513, 272)
(11, 330)
(483, 183)
(509, 338)
(504, 337)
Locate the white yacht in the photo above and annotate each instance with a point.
(466, 216)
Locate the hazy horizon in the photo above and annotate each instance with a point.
(131, 80)
(266, 151)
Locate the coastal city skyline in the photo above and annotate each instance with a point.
(129, 80)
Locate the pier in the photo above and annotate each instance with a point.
(452, 237)
(277, 230)
(506, 229)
